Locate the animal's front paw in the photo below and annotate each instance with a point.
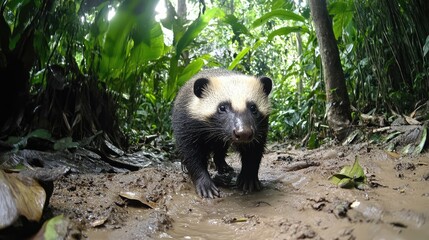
(248, 183)
(206, 188)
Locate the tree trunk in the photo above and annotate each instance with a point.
(182, 13)
(337, 99)
(181, 9)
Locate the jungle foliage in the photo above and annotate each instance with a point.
(74, 68)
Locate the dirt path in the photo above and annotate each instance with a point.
(294, 204)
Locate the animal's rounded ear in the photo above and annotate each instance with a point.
(267, 84)
(199, 86)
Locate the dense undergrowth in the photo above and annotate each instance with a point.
(115, 66)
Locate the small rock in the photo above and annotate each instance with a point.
(405, 166)
(318, 206)
(285, 158)
(426, 176)
(341, 209)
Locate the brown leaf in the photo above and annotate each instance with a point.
(99, 222)
(20, 195)
(393, 154)
(412, 121)
(138, 196)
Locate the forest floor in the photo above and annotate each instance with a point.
(297, 201)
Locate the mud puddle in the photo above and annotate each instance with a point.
(297, 202)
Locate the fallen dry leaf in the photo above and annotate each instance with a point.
(20, 195)
(138, 196)
(393, 155)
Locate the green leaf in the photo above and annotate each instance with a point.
(346, 183)
(338, 179)
(349, 176)
(143, 52)
(287, 30)
(237, 27)
(196, 27)
(313, 141)
(21, 142)
(171, 88)
(357, 171)
(13, 140)
(5, 30)
(343, 15)
(41, 46)
(243, 53)
(426, 47)
(409, 148)
(101, 24)
(65, 143)
(422, 143)
(25, 13)
(282, 4)
(152, 98)
(56, 228)
(131, 13)
(354, 136)
(40, 133)
(278, 13)
(239, 57)
(117, 34)
(193, 68)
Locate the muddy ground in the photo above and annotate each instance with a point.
(295, 203)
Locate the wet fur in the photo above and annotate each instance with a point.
(200, 131)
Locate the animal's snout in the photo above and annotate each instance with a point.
(243, 134)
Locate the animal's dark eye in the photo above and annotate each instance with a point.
(253, 109)
(222, 108)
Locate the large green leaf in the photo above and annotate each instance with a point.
(196, 27)
(172, 78)
(286, 30)
(145, 20)
(236, 25)
(238, 58)
(282, 4)
(131, 13)
(41, 46)
(422, 142)
(24, 10)
(21, 142)
(343, 15)
(278, 13)
(65, 143)
(243, 53)
(193, 68)
(5, 30)
(100, 26)
(40, 133)
(143, 51)
(116, 40)
(426, 47)
(183, 42)
(58, 227)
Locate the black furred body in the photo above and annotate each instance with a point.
(197, 138)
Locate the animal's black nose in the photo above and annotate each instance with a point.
(243, 135)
